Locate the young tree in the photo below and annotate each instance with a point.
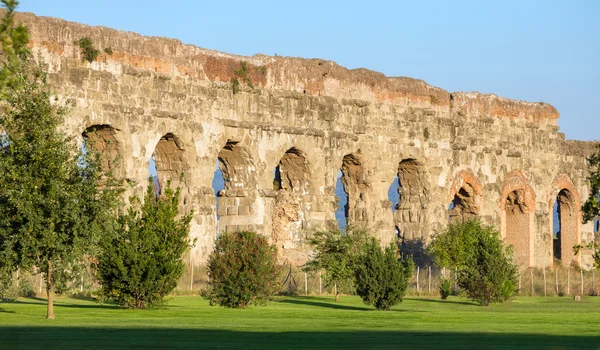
(381, 278)
(52, 209)
(336, 253)
(142, 262)
(242, 270)
(485, 269)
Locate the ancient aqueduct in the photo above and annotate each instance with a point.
(501, 159)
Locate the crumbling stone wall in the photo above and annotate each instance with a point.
(156, 97)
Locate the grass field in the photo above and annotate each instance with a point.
(306, 323)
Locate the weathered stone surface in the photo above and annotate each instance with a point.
(501, 159)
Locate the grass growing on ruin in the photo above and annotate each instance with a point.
(306, 323)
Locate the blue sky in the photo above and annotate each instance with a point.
(528, 50)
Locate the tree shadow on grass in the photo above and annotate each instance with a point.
(328, 303)
(54, 337)
(332, 305)
(447, 301)
(6, 311)
(74, 306)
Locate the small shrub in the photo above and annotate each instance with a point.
(108, 51)
(142, 263)
(486, 272)
(337, 253)
(242, 270)
(88, 52)
(445, 288)
(382, 279)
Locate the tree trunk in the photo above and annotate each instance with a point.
(337, 296)
(49, 292)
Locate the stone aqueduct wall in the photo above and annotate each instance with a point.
(154, 97)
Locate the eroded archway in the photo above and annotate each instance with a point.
(564, 221)
(236, 198)
(104, 139)
(292, 185)
(355, 186)
(466, 194)
(411, 212)
(517, 208)
(168, 157)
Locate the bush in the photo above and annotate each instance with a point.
(382, 279)
(336, 252)
(445, 288)
(486, 272)
(242, 270)
(142, 263)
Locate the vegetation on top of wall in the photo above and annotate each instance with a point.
(243, 74)
(88, 51)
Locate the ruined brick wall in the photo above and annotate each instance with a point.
(309, 119)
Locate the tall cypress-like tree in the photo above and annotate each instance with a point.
(55, 199)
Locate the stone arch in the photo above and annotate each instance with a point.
(291, 207)
(237, 166)
(236, 203)
(517, 210)
(465, 196)
(564, 194)
(169, 157)
(354, 180)
(411, 214)
(107, 141)
(292, 172)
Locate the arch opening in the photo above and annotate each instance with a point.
(341, 214)
(353, 187)
(168, 158)
(411, 216)
(464, 204)
(102, 138)
(234, 175)
(291, 183)
(565, 223)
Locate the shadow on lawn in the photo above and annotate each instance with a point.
(38, 301)
(447, 301)
(325, 303)
(50, 337)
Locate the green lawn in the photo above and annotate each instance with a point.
(306, 323)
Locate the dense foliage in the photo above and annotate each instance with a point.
(381, 278)
(591, 207)
(445, 288)
(486, 272)
(142, 262)
(336, 253)
(52, 210)
(242, 270)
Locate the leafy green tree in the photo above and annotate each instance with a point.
(142, 262)
(242, 270)
(591, 207)
(381, 278)
(52, 206)
(485, 268)
(336, 253)
(15, 52)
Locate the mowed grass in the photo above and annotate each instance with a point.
(306, 323)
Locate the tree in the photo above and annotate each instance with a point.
(591, 207)
(142, 262)
(485, 270)
(14, 49)
(52, 207)
(336, 252)
(242, 270)
(381, 278)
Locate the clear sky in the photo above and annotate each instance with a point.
(527, 50)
